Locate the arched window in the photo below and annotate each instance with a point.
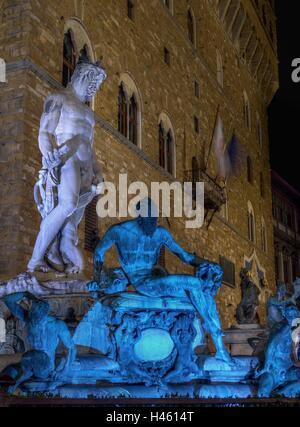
(263, 235)
(129, 110)
(251, 223)
(169, 5)
(166, 143)
(122, 111)
(249, 170)
(191, 27)
(76, 41)
(247, 112)
(162, 160)
(170, 144)
(69, 58)
(220, 70)
(130, 9)
(133, 111)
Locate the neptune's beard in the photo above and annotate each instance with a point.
(148, 225)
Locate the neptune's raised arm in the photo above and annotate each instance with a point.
(12, 301)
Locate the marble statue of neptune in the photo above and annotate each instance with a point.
(70, 173)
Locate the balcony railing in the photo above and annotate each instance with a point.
(214, 194)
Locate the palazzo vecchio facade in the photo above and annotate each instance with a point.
(171, 65)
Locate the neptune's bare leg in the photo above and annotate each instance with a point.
(68, 193)
(70, 251)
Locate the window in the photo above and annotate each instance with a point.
(130, 9)
(191, 27)
(263, 236)
(294, 268)
(167, 58)
(251, 223)
(220, 70)
(69, 58)
(247, 113)
(197, 89)
(169, 5)
(76, 42)
(91, 237)
(129, 110)
(166, 144)
(122, 111)
(166, 149)
(162, 160)
(228, 268)
(249, 170)
(169, 146)
(196, 124)
(286, 269)
(133, 111)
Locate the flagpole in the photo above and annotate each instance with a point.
(212, 138)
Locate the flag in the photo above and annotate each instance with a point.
(219, 147)
(228, 156)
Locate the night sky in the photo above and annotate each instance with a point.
(284, 111)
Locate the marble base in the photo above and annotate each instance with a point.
(93, 375)
(237, 337)
(217, 380)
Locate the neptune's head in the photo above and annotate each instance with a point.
(147, 216)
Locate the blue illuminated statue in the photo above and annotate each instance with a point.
(279, 370)
(138, 243)
(275, 304)
(44, 335)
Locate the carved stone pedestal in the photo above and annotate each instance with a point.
(68, 298)
(131, 345)
(237, 337)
